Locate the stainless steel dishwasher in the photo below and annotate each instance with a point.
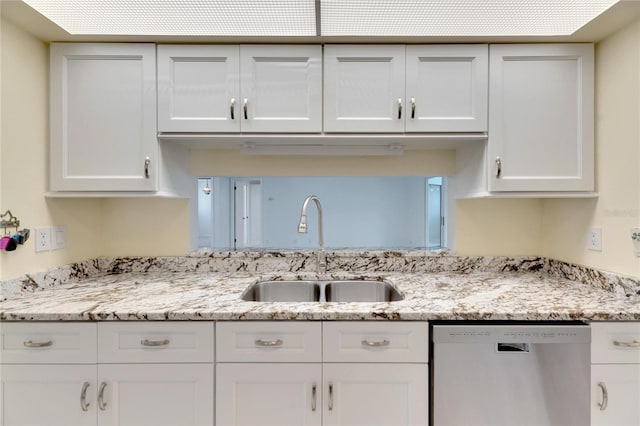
(510, 374)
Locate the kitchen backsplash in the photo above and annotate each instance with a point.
(337, 261)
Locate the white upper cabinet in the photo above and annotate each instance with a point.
(281, 88)
(103, 117)
(446, 88)
(364, 88)
(198, 88)
(541, 118)
(269, 89)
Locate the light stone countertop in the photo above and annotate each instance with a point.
(475, 294)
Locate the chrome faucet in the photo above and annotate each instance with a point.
(321, 266)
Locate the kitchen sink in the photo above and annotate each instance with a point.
(361, 291)
(322, 291)
(283, 291)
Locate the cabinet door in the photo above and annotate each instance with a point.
(447, 88)
(375, 394)
(268, 394)
(281, 88)
(364, 88)
(155, 394)
(47, 395)
(541, 118)
(622, 384)
(198, 88)
(103, 117)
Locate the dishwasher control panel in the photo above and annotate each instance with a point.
(466, 333)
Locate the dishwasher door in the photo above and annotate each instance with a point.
(529, 375)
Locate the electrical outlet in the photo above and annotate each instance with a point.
(635, 238)
(58, 238)
(42, 239)
(594, 239)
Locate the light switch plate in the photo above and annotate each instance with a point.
(58, 238)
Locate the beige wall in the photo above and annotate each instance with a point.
(94, 227)
(24, 163)
(617, 130)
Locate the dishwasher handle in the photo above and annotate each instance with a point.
(512, 347)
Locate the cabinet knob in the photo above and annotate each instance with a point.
(413, 108)
(399, 108)
(232, 108)
(498, 167)
(244, 108)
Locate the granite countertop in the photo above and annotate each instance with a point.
(464, 290)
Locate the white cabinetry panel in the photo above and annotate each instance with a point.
(541, 118)
(103, 117)
(446, 88)
(281, 88)
(622, 385)
(198, 88)
(47, 395)
(268, 394)
(376, 394)
(364, 88)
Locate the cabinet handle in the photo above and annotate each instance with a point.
(330, 396)
(605, 396)
(498, 167)
(232, 108)
(632, 344)
(244, 108)
(32, 344)
(101, 404)
(313, 397)
(147, 163)
(83, 397)
(147, 342)
(399, 108)
(375, 343)
(413, 108)
(268, 343)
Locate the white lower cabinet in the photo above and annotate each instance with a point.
(155, 394)
(377, 373)
(615, 374)
(268, 394)
(375, 394)
(60, 395)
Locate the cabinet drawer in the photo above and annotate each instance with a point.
(615, 343)
(48, 343)
(155, 342)
(273, 341)
(376, 342)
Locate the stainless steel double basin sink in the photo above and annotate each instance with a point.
(322, 291)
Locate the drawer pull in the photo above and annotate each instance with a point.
(330, 396)
(101, 404)
(268, 343)
(633, 344)
(83, 397)
(605, 396)
(147, 342)
(313, 397)
(375, 343)
(32, 344)
(232, 107)
(399, 108)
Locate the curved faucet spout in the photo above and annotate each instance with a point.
(302, 228)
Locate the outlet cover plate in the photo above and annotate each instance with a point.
(42, 239)
(594, 239)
